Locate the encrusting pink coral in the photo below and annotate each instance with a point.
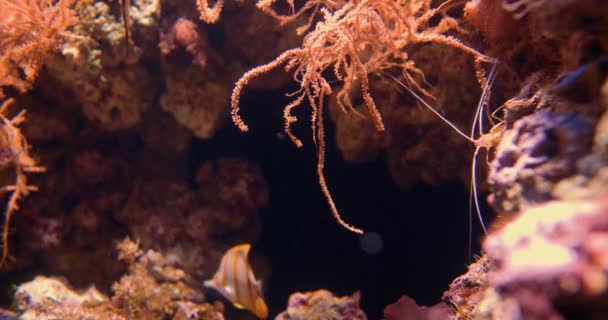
(184, 34)
(406, 309)
(322, 304)
(549, 256)
(492, 20)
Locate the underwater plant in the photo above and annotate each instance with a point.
(353, 40)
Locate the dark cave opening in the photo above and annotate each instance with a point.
(424, 230)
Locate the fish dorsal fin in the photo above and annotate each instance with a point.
(244, 248)
(258, 285)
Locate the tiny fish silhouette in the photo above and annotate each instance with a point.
(234, 279)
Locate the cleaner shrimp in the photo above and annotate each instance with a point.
(477, 136)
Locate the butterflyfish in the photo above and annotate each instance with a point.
(234, 279)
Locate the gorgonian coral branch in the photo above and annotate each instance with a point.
(353, 39)
(15, 154)
(209, 14)
(29, 31)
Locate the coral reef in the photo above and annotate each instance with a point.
(537, 152)
(196, 99)
(550, 263)
(406, 309)
(467, 291)
(112, 89)
(184, 34)
(30, 31)
(322, 304)
(106, 183)
(128, 103)
(195, 227)
(547, 169)
(199, 73)
(153, 288)
(48, 298)
(355, 39)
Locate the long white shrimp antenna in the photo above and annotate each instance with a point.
(428, 106)
(470, 138)
(478, 122)
(478, 118)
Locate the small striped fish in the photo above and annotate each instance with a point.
(234, 279)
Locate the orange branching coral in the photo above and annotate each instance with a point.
(266, 6)
(14, 154)
(209, 14)
(29, 30)
(354, 39)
